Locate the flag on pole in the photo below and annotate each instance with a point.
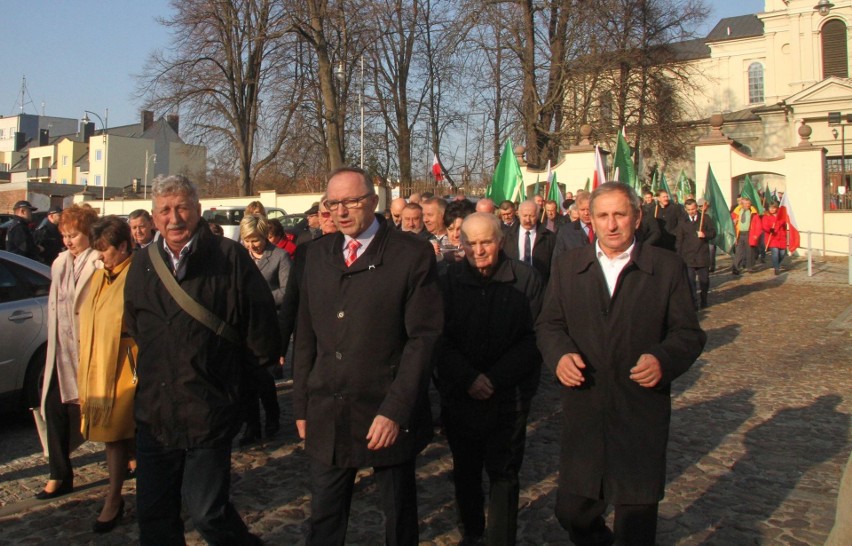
(589, 182)
(683, 187)
(600, 173)
(785, 214)
(664, 185)
(436, 170)
(725, 235)
(554, 193)
(751, 193)
(655, 181)
(507, 180)
(622, 162)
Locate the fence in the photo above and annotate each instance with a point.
(810, 250)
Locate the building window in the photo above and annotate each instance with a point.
(755, 83)
(97, 180)
(98, 155)
(835, 61)
(64, 180)
(838, 184)
(64, 160)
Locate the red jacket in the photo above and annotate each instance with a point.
(776, 232)
(286, 243)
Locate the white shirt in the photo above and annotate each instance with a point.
(522, 235)
(365, 238)
(612, 267)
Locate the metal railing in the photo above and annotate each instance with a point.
(810, 250)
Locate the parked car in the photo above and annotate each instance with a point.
(229, 218)
(293, 223)
(24, 287)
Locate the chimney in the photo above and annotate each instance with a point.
(87, 130)
(147, 119)
(174, 122)
(43, 137)
(20, 140)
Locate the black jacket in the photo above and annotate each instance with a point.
(48, 237)
(695, 251)
(189, 378)
(569, 236)
(668, 219)
(489, 329)
(19, 239)
(365, 337)
(542, 251)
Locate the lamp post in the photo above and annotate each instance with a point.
(341, 74)
(86, 120)
(147, 158)
(823, 7)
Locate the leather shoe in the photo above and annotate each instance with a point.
(107, 526)
(64, 488)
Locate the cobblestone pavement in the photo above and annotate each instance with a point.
(759, 438)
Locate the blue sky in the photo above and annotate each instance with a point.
(83, 54)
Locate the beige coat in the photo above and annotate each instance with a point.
(57, 270)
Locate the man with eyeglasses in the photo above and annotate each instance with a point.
(369, 317)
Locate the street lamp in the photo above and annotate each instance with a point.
(147, 158)
(340, 73)
(823, 7)
(85, 121)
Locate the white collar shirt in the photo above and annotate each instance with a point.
(612, 267)
(365, 238)
(521, 239)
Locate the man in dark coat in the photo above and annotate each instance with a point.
(47, 236)
(630, 331)
(370, 314)
(19, 237)
(553, 218)
(693, 232)
(186, 405)
(541, 239)
(668, 215)
(578, 233)
(488, 368)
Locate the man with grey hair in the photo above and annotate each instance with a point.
(189, 374)
(529, 241)
(617, 327)
(486, 205)
(488, 368)
(142, 228)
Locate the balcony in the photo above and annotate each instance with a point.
(39, 174)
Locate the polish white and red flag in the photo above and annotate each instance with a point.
(600, 174)
(436, 170)
(785, 215)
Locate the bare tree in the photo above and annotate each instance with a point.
(226, 57)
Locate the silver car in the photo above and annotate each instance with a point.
(24, 287)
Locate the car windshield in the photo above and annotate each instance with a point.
(224, 217)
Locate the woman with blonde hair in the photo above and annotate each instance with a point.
(107, 374)
(59, 411)
(274, 265)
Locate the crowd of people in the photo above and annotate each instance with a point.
(165, 339)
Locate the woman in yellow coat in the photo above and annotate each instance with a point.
(107, 373)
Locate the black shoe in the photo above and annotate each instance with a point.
(472, 541)
(249, 438)
(271, 429)
(64, 488)
(107, 526)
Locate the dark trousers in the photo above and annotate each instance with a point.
(702, 274)
(744, 253)
(60, 420)
(331, 496)
(260, 384)
(495, 444)
(712, 257)
(199, 477)
(635, 524)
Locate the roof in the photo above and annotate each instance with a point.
(732, 28)
(690, 50)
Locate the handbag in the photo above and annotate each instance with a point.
(189, 305)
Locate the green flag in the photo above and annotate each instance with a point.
(751, 193)
(507, 177)
(553, 193)
(588, 183)
(664, 185)
(683, 187)
(655, 181)
(725, 235)
(623, 164)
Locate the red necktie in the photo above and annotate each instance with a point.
(353, 247)
(591, 234)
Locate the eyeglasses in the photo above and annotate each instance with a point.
(352, 203)
(325, 215)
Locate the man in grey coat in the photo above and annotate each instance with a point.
(631, 330)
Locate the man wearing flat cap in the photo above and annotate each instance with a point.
(312, 228)
(19, 238)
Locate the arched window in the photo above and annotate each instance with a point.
(835, 62)
(755, 83)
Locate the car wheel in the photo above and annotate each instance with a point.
(34, 379)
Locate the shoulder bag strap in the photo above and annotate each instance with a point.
(192, 307)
